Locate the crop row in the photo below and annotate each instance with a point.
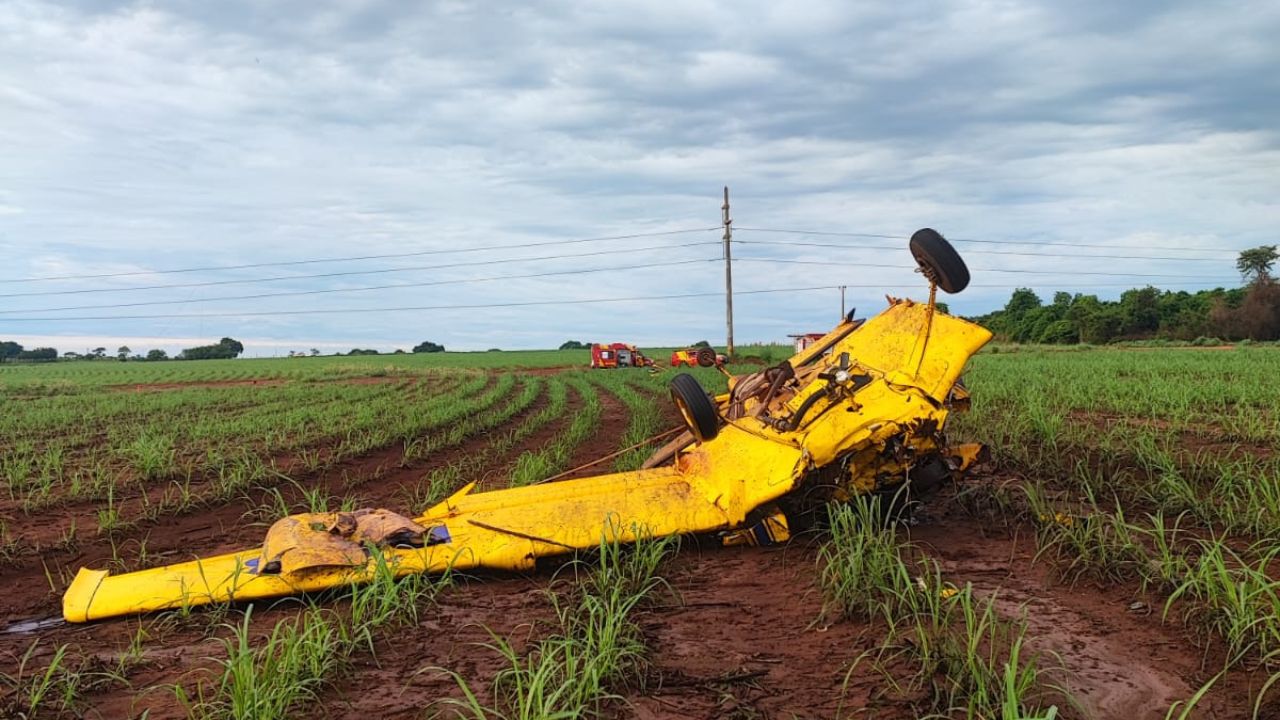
(1044, 417)
(223, 447)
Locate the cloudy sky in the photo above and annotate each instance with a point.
(192, 135)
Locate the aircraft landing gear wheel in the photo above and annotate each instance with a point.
(939, 261)
(695, 407)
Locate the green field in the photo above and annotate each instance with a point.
(1148, 474)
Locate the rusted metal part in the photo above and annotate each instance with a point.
(335, 539)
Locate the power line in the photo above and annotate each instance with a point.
(484, 248)
(346, 273)
(360, 289)
(336, 311)
(531, 303)
(999, 270)
(353, 258)
(832, 233)
(779, 243)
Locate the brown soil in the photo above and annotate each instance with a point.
(1208, 438)
(30, 610)
(605, 439)
(157, 387)
(35, 531)
(1117, 662)
(414, 668)
(498, 475)
(744, 640)
(272, 382)
(544, 371)
(377, 477)
(740, 637)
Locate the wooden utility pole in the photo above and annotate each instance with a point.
(842, 302)
(728, 273)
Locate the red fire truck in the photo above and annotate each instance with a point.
(616, 355)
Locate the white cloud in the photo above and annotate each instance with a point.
(191, 134)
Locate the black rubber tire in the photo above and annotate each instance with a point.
(940, 262)
(696, 407)
(706, 357)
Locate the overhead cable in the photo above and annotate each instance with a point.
(457, 281)
(833, 233)
(354, 258)
(336, 311)
(780, 243)
(347, 273)
(826, 263)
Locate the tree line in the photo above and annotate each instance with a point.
(224, 349)
(1251, 312)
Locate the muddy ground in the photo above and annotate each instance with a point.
(741, 634)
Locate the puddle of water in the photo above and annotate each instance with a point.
(23, 627)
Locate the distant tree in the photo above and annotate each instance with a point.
(9, 350)
(358, 351)
(157, 354)
(1058, 332)
(1023, 301)
(71, 355)
(1141, 310)
(315, 352)
(226, 349)
(428, 347)
(944, 307)
(494, 350)
(1256, 316)
(399, 351)
(573, 345)
(98, 353)
(122, 353)
(1255, 263)
(45, 354)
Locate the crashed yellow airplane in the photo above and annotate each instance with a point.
(860, 411)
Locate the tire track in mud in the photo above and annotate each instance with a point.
(751, 614)
(410, 673)
(1118, 658)
(743, 640)
(1114, 662)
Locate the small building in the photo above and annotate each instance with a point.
(805, 340)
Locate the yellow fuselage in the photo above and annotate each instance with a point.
(901, 365)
